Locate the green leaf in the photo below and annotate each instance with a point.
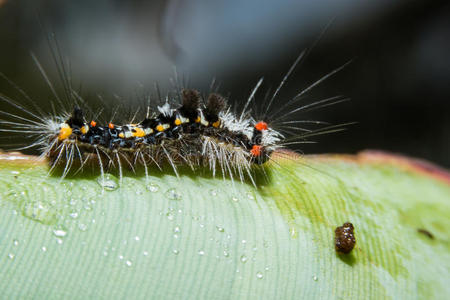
(198, 237)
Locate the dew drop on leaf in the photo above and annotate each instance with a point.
(82, 227)
(152, 187)
(172, 194)
(108, 182)
(59, 232)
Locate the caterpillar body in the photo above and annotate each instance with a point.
(193, 134)
(195, 131)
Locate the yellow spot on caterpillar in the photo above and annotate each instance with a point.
(177, 122)
(138, 132)
(64, 132)
(121, 135)
(162, 127)
(198, 119)
(216, 124)
(84, 129)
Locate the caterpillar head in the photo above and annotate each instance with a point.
(259, 151)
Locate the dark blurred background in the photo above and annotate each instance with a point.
(399, 80)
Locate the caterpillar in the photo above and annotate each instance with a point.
(187, 129)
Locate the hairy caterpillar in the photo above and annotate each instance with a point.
(187, 129)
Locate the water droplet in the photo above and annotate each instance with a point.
(235, 199)
(170, 216)
(105, 253)
(108, 182)
(59, 232)
(39, 211)
(201, 252)
(244, 241)
(255, 249)
(226, 253)
(128, 263)
(244, 258)
(177, 229)
(293, 232)
(16, 242)
(220, 229)
(59, 241)
(120, 257)
(250, 196)
(15, 172)
(152, 187)
(145, 253)
(172, 194)
(175, 251)
(73, 215)
(82, 227)
(267, 268)
(315, 278)
(136, 238)
(259, 275)
(11, 256)
(44, 249)
(213, 192)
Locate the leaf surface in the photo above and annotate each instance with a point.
(196, 237)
